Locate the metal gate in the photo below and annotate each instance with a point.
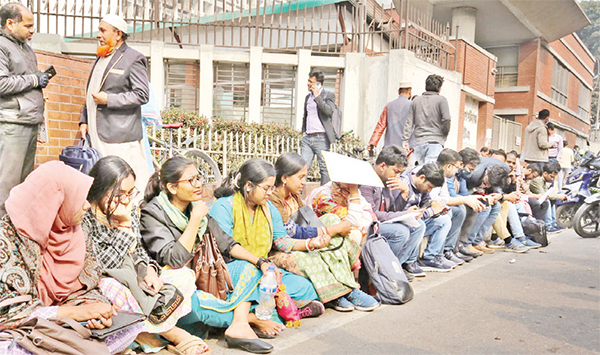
(231, 90)
(506, 134)
(277, 99)
(182, 79)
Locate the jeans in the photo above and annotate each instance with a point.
(313, 144)
(437, 230)
(18, 144)
(550, 217)
(476, 225)
(459, 213)
(514, 221)
(427, 152)
(403, 240)
(562, 176)
(539, 211)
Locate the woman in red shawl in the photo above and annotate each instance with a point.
(44, 254)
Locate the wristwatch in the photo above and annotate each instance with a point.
(260, 262)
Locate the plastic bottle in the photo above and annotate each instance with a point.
(266, 299)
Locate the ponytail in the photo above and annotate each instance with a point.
(170, 172)
(153, 187)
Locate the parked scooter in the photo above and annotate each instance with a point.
(587, 218)
(581, 183)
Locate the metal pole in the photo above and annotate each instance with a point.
(406, 25)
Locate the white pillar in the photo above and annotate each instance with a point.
(255, 84)
(206, 80)
(464, 18)
(157, 71)
(302, 72)
(351, 96)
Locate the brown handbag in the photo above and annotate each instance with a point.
(211, 271)
(62, 336)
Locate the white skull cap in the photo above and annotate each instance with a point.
(116, 21)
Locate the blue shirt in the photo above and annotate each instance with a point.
(313, 122)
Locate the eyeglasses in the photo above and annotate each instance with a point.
(344, 190)
(128, 196)
(267, 190)
(195, 181)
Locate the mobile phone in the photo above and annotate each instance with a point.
(318, 84)
(50, 71)
(409, 153)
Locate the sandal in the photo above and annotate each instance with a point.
(192, 346)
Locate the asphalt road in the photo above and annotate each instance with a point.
(544, 301)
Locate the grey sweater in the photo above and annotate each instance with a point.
(428, 118)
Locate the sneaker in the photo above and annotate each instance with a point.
(362, 301)
(311, 310)
(447, 262)
(556, 226)
(482, 248)
(414, 269)
(516, 246)
(465, 258)
(433, 265)
(462, 249)
(343, 305)
(496, 244)
(410, 277)
(532, 244)
(449, 254)
(474, 250)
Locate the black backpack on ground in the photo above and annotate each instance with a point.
(535, 229)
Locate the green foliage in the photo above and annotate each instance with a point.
(590, 35)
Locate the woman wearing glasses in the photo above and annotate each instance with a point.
(172, 220)
(113, 224)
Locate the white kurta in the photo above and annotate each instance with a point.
(132, 152)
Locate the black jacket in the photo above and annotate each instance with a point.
(325, 105)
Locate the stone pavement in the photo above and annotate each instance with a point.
(544, 301)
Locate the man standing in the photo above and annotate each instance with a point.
(556, 143)
(566, 164)
(535, 143)
(429, 121)
(393, 118)
(21, 98)
(317, 129)
(116, 90)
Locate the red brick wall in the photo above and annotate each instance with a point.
(65, 96)
(476, 68)
(484, 122)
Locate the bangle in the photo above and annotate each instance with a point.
(307, 243)
(123, 226)
(260, 261)
(324, 231)
(354, 198)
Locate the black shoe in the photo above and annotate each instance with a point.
(256, 346)
(464, 251)
(262, 335)
(466, 258)
(410, 277)
(413, 269)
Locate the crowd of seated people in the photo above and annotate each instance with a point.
(86, 247)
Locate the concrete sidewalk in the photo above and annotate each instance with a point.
(547, 300)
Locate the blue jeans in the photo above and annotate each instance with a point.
(514, 222)
(483, 223)
(313, 144)
(437, 230)
(403, 240)
(459, 213)
(427, 152)
(550, 217)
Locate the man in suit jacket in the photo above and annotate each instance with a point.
(116, 90)
(388, 203)
(317, 130)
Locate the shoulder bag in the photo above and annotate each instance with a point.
(211, 271)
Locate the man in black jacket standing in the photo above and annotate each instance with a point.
(317, 130)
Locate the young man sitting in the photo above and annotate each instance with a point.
(539, 186)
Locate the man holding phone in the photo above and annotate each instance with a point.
(317, 129)
(21, 98)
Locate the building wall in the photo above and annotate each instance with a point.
(65, 96)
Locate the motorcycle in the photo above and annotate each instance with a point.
(587, 218)
(581, 183)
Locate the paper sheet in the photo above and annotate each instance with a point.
(351, 171)
(407, 219)
(546, 194)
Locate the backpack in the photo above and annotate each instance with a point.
(535, 229)
(336, 121)
(384, 270)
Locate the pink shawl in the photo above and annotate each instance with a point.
(42, 209)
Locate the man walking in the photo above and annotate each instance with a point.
(393, 118)
(429, 121)
(535, 142)
(116, 90)
(21, 98)
(317, 129)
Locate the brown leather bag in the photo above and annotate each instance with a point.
(62, 336)
(211, 271)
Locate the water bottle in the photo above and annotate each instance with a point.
(266, 299)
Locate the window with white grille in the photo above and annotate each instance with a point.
(182, 80)
(231, 90)
(278, 93)
(585, 102)
(560, 83)
(333, 81)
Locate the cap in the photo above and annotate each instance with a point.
(116, 21)
(405, 85)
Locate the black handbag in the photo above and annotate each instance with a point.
(535, 229)
(306, 217)
(81, 156)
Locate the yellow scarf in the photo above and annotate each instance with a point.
(254, 234)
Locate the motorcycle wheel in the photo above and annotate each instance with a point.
(565, 213)
(587, 220)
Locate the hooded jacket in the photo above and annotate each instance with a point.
(535, 142)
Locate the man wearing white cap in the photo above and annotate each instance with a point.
(116, 90)
(393, 118)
